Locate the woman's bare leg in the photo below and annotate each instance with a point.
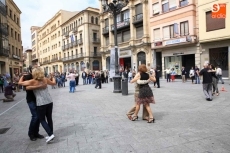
(149, 110)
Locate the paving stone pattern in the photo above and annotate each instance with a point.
(94, 121)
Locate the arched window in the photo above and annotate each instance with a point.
(96, 65)
(96, 20)
(81, 20)
(92, 19)
(141, 58)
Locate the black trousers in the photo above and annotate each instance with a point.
(157, 82)
(98, 83)
(76, 80)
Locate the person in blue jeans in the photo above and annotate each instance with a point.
(84, 76)
(72, 82)
(33, 132)
(197, 76)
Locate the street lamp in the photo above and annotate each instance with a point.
(115, 8)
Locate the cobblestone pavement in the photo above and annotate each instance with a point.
(93, 120)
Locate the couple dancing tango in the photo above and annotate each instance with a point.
(143, 95)
(41, 106)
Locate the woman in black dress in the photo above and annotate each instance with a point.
(145, 96)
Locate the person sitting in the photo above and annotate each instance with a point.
(9, 94)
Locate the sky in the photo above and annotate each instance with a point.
(38, 12)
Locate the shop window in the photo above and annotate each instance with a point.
(184, 29)
(214, 23)
(139, 32)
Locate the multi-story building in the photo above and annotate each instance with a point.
(15, 43)
(214, 33)
(173, 29)
(27, 57)
(49, 42)
(132, 35)
(34, 38)
(4, 44)
(81, 41)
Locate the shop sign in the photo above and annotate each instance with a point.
(125, 53)
(175, 41)
(219, 10)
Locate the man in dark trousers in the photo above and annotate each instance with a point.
(31, 101)
(98, 80)
(207, 82)
(157, 75)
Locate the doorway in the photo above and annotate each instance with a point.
(125, 63)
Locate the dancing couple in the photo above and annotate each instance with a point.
(145, 95)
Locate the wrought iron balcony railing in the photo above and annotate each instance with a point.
(96, 40)
(138, 17)
(121, 24)
(105, 29)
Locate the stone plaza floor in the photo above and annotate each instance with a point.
(94, 121)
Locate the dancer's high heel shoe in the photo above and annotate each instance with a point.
(134, 118)
(151, 120)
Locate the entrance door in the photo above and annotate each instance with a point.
(219, 56)
(108, 63)
(141, 58)
(188, 61)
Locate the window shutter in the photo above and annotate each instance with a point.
(156, 33)
(172, 3)
(156, 8)
(126, 36)
(138, 9)
(164, 2)
(139, 32)
(166, 33)
(214, 23)
(186, 30)
(119, 37)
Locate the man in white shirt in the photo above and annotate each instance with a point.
(219, 74)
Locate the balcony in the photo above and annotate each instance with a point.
(96, 40)
(75, 30)
(122, 24)
(4, 52)
(105, 30)
(138, 19)
(183, 3)
(75, 43)
(67, 46)
(63, 48)
(16, 57)
(73, 57)
(66, 34)
(54, 59)
(81, 55)
(3, 29)
(46, 62)
(70, 45)
(2, 9)
(95, 54)
(80, 41)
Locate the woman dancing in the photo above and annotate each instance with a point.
(145, 96)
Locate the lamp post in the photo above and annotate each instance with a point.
(115, 8)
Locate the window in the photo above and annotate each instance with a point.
(125, 15)
(16, 51)
(166, 33)
(139, 32)
(107, 22)
(214, 23)
(172, 4)
(92, 19)
(81, 51)
(18, 37)
(94, 36)
(183, 3)
(19, 52)
(184, 28)
(138, 9)
(96, 20)
(95, 50)
(14, 17)
(10, 13)
(119, 38)
(106, 41)
(156, 34)
(15, 34)
(126, 36)
(171, 31)
(12, 33)
(156, 9)
(58, 23)
(165, 6)
(13, 50)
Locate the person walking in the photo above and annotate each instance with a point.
(192, 74)
(219, 74)
(130, 76)
(207, 82)
(183, 73)
(33, 131)
(43, 99)
(145, 93)
(197, 76)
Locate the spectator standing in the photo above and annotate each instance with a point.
(157, 76)
(192, 74)
(84, 76)
(183, 73)
(197, 75)
(219, 74)
(168, 74)
(130, 75)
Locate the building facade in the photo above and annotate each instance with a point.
(81, 41)
(174, 34)
(15, 60)
(4, 43)
(215, 34)
(34, 38)
(49, 42)
(132, 35)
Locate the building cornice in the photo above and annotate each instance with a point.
(14, 5)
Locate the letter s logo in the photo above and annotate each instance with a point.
(215, 7)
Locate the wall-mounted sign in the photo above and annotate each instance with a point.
(126, 53)
(159, 43)
(175, 41)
